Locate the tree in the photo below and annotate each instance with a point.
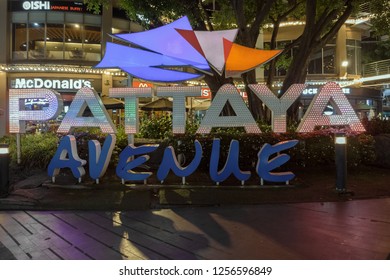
(247, 15)
(250, 16)
(281, 11)
(379, 44)
(154, 13)
(323, 19)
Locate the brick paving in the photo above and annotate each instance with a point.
(333, 230)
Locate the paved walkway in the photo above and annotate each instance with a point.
(338, 230)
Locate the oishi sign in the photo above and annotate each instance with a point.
(99, 157)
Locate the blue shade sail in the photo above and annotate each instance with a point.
(167, 41)
(143, 64)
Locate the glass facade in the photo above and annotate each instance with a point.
(323, 61)
(354, 54)
(56, 36)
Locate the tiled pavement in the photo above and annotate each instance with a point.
(340, 230)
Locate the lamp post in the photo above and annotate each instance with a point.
(4, 170)
(340, 141)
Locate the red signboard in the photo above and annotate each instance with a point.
(138, 84)
(206, 93)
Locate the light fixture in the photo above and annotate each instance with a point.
(59, 68)
(4, 149)
(340, 139)
(344, 63)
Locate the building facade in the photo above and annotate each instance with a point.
(339, 61)
(55, 44)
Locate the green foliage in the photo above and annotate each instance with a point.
(36, 149)
(83, 135)
(361, 150)
(191, 127)
(377, 126)
(121, 138)
(313, 149)
(156, 127)
(380, 16)
(223, 17)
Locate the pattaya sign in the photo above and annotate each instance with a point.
(99, 157)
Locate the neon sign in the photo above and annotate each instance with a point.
(36, 5)
(60, 84)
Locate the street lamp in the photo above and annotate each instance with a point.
(4, 170)
(340, 141)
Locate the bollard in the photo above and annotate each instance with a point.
(4, 170)
(340, 141)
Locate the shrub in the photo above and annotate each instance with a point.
(313, 149)
(156, 127)
(36, 149)
(377, 126)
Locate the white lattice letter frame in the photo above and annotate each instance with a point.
(314, 115)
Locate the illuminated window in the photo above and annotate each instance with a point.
(354, 50)
(56, 36)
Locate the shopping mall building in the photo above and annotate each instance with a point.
(55, 44)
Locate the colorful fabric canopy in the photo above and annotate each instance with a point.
(171, 50)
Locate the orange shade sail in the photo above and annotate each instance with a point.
(242, 59)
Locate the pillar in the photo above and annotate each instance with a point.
(260, 45)
(106, 25)
(341, 52)
(3, 104)
(4, 57)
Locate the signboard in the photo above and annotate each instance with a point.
(64, 6)
(66, 155)
(206, 93)
(58, 84)
(314, 91)
(138, 84)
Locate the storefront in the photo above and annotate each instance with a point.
(55, 44)
(367, 102)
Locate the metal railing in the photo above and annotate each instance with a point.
(364, 9)
(376, 68)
